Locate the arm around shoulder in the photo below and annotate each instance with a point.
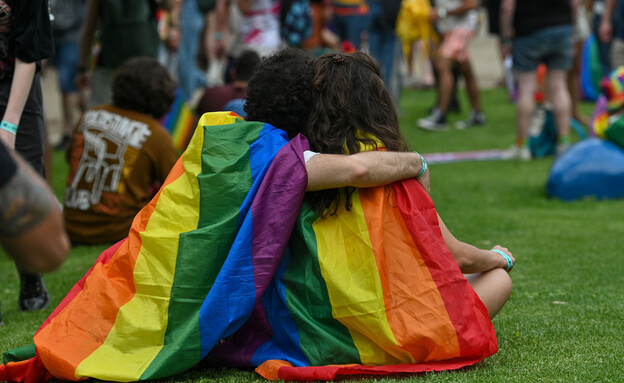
(364, 169)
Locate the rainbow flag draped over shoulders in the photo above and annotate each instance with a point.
(373, 290)
(196, 260)
(227, 265)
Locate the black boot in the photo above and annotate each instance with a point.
(33, 292)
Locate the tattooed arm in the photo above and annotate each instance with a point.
(31, 222)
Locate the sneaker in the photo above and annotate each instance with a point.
(436, 121)
(522, 153)
(453, 107)
(476, 118)
(33, 292)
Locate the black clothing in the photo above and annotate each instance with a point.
(7, 165)
(534, 15)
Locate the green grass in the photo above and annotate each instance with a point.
(565, 319)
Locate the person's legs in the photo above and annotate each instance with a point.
(572, 80)
(525, 103)
(66, 62)
(560, 98)
(493, 288)
(189, 75)
(30, 143)
(558, 64)
(445, 82)
(437, 119)
(471, 85)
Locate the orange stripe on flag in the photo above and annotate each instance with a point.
(97, 304)
(414, 307)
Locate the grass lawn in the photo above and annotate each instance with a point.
(565, 319)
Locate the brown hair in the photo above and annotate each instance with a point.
(351, 107)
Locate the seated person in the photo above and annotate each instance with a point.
(119, 154)
(361, 261)
(216, 98)
(189, 232)
(348, 118)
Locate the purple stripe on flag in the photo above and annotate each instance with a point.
(274, 213)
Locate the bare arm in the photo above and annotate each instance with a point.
(471, 259)
(218, 28)
(364, 169)
(605, 29)
(507, 10)
(87, 32)
(31, 222)
(20, 88)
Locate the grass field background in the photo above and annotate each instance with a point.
(565, 319)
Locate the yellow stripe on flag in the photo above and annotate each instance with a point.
(139, 330)
(348, 266)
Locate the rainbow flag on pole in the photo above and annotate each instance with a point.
(225, 264)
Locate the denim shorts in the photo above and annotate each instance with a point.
(551, 46)
(66, 62)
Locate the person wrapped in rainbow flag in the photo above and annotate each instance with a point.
(232, 262)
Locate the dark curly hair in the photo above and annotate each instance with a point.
(279, 92)
(351, 108)
(143, 85)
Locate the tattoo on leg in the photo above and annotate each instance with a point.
(23, 204)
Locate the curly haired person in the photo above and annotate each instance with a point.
(119, 154)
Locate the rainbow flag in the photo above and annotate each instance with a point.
(180, 122)
(227, 265)
(373, 290)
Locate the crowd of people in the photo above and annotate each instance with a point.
(297, 65)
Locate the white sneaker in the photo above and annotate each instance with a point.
(522, 153)
(436, 121)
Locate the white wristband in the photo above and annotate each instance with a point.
(441, 13)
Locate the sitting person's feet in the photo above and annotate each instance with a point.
(33, 292)
(436, 121)
(476, 118)
(522, 153)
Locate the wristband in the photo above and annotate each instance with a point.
(507, 258)
(12, 128)
(423, 169)
(441, 12)
(217, 36)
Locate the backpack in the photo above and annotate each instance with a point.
(542, 133)
(295, 21)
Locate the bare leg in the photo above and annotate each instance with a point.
(527, 85)
(560, 98)
(573, 84)
(445, 82)
(471, 84)
(493, 288)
